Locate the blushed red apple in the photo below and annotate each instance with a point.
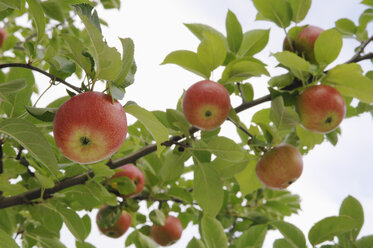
(134, 174)
(111, 222)
(305, 42)
(280, 166)
(321, 108)
(89, 127)
(206, 104)
(2, 36)
(167, 234)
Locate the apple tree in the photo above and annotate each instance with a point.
(61, 161)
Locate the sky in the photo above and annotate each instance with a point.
(330, 173)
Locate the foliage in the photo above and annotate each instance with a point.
(207, 179)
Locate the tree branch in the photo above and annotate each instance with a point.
(358, 57)
(31, 195)
(27, 66)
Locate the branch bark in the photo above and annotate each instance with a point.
(30, 67)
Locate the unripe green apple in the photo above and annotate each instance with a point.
(321, 108)
(134, 174)
(280, 166)
(167, 234)
(206, 105)
(2, 36)
(111, 222)
(305, 42)
(89, 127)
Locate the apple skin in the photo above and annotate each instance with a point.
(133, 173)
(206, 105)
(2, 36)
(321, 108)
(119, 228)
(167, 234)
(89, 127)
(305, 42)
(280, 166)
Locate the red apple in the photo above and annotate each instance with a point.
(134, 174)
(112, 222)
(206, 104)
(90, 127)
(280, 166)
(167, 234)
(321, 108)
(305, 42)
(2, 36)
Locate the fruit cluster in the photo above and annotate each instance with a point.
(90, 127)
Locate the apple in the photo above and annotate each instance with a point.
(167, 234)
(2, 36)
(134, 174)
(305, 42)
(321, 108)
(89, 127)
(280, 166)
(112, 222)
(206, 105)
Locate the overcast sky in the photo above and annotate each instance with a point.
(330, 173)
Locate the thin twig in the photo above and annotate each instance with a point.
(54, 78)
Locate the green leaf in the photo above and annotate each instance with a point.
(213, 233)
(208, 189)
(45, 181)
(367, 2)
(189, 61)
(31, 139)
(285, 118)
(73, 222)
(199, 29)
(278, 11)
(242, 69)
(142, 241)
(253, 41)
(124, 185)
(19, 99)
(61, 66)
(6, 240)
(349, 81)
(282, 243)
(211, 51)
(346, 27)
(157, 217)
(308, 138)
(43, 114)
(108, 61)
(127, 59)
(291, 233)
(11, 88)
(365, 18)
(247, 178)
(80, 55)
(151, 123)
(351, 207)
(234, 32)
(300, 9)
(364, 242)
(37, 14)
(226, 149)
(14, 4)
(111, 4)
(195, 243)
(297, 65)
(80, 244)
(253, 237)
(8, 220)
(53, 9)
(173, 166)
(330, 227)
(327, 46)
(229, 169)
(180, 193)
